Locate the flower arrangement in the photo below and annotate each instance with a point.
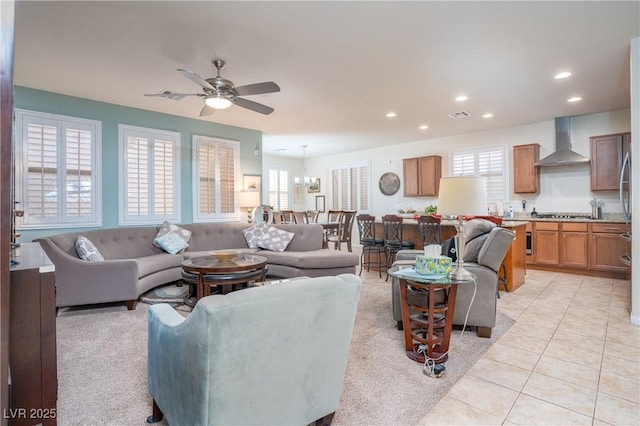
(430, 209)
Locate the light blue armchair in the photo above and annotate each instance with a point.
(266, 355)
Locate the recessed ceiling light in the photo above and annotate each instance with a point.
(424, 127)
(574, 99)
(487, 115)
(391, 115)
(461, 98)
(280, 149)
(562, 75)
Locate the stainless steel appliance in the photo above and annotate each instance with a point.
(625, 198)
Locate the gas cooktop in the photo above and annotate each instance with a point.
(562, 216)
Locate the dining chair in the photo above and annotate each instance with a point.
(333, 216)
(287, 216)
(312, 216)
(277, 217)
(300, 218)
(371, 245)
(393, 242)
(344, 231)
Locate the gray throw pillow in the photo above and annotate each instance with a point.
(276, 239)
(169, 228)
(254, 234)
(86, 250)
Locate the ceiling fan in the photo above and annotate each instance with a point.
(220, 93)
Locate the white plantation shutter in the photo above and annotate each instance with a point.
(149, 175)
(350, 187)
(57, 170)
(490, 163)
(279, 189)
(216, 164)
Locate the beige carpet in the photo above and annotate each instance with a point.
(102, 365)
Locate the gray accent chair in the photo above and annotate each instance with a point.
(271, 355)
(483, 311)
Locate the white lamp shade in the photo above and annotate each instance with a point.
(462, 195)
(248, 199)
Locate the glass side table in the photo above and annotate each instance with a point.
(432, 300)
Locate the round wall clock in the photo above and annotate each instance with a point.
(389, 183)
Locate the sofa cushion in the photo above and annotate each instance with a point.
(148, 265)
(171, 243)
(317, 259)
(169, 228)
(87, 250)
(254, 234)
(276, 239)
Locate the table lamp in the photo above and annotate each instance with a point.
(460, 196)
(248, 199)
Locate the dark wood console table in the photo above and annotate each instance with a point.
(32, 339)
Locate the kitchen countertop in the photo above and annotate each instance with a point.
(523, 218)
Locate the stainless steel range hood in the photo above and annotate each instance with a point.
(563, 155)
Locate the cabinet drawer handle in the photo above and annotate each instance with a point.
(610, 229)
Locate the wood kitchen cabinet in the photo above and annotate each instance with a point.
(526, 176)
(607, 247)
(32, 338)
(574, 245)
(422, 175)
(580, 247)
(545, 241)
(606, 160)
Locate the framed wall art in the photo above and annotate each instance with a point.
(314, 187)
(320, 203)
(252, 183)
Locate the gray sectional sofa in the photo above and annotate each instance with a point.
(134, 265)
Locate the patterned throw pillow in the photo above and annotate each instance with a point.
(87, 251)
(276, 239)
(171, 243)
(254, 234)
(169, 228)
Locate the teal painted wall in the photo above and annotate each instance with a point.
(111, 116)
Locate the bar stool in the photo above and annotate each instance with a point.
(370, 244)
(393, 242)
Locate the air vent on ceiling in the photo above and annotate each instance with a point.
(459, 114)
(170, 95)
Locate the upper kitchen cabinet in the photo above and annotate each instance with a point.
(526, 176)
(422, 175)
(607, 153)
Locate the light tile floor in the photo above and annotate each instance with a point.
(571, 358)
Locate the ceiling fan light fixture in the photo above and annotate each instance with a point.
(217, 102)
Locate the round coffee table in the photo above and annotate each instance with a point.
(209, 271)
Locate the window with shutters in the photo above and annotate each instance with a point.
(57, 170)
(488, 162)
(278, 185)
(351, 187)
(149, 178)
(215, 172)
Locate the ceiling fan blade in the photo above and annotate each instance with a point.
(253, 106)
(206, 110)
(196, 79)
(257, 89)
(172, 95)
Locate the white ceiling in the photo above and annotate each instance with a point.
(341, 66)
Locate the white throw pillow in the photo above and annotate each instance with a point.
(171, 243)
(276, 239)
(87, 250)
(254, 234)
(169, 228)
